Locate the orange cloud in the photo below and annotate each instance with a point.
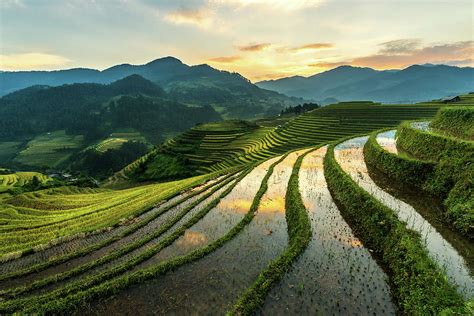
(254, 47)
(313, 46)
(403, 53)
(305, 47)
(328, 64)
(225, 59)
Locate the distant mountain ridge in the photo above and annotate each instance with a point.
(230, 93)
(157, 69)
(346, 83)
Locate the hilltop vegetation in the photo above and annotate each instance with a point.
(230, 94)
(45, 127)
(96, 110)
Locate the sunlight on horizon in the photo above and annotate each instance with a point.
(260, 39)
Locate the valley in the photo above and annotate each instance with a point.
(305, 213)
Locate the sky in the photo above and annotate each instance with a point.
(260, 39)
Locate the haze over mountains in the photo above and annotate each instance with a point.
(232, 95)
(346, 83)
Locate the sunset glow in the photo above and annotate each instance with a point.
(261, 39)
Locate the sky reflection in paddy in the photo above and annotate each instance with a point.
(349, 155)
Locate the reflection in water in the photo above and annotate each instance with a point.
(270, 205)
(81, 243)
(191, 239)
(388, 141)
(350, 156)
(142, 232)
(211, 284)
(336, 274)
(221, 218)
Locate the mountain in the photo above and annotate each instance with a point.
(232, 95)
(346, 83)
(94, 110)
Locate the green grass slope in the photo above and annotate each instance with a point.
(213, 147)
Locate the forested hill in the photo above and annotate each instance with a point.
(95, 110)
(232, 95)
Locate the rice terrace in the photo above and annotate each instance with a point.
(170, 189)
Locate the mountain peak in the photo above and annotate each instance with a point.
(136, 84)
(165, 60)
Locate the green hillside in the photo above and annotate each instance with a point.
(47, 127)
(211, 147)
(352, 208)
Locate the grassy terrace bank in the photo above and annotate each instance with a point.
(299, 233)
(119, 252)
(455, 121)
(453, 176)
(61, 214)
(216, 146)
(419, 286)
(73, 295)
(56, 260)
(399, 167)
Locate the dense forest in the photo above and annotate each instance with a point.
(95, 110)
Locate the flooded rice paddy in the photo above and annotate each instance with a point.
(153, 225)
(81, 243)
(212, 284)
(336, 274)
(388, 141)
(349, 155)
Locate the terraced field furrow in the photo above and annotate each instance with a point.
(108, 210)
(139, 247)
(402, 187)
(336, 274)
(231, 268)
(87, 286)
(350, 157)
(145, 232)
(55, 258)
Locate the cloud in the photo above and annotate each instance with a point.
(400, 46)
(313, 46)
(254, 47)
(463, 62)
(32, 61)
(225, 59)
(201, 17)
(8, 4)
(284, 5)
(304, 48)
(327, 64)
(403, 53)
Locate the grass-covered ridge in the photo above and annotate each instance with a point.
(216, 146)
(408, 170)
(105, 284)
(419, 286)
(63, 213)
(455, 121)
(453, 176)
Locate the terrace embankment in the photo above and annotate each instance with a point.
(336, 274)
